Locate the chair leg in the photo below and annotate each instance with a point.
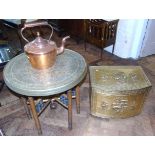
(85, 46)
(1, 84)
(77, 89)
(69, 95)
(113, 48)
(35, 115)
(101, 53)
(20, 40)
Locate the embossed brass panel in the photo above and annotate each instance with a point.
(118, 91)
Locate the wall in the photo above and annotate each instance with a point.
(148, 47)
(130, 34)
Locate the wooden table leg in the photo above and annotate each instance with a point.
(77, 89)
(69, 94)
(23, 101)
(35, 115)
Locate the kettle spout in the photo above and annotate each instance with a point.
(61, 48)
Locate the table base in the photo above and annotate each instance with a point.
(30, 108)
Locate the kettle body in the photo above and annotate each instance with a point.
(41, 52)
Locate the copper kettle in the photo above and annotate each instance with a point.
(41, 52)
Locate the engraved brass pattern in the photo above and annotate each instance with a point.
(118, 91)
(120, 104)
(104, 105)
(69, 69)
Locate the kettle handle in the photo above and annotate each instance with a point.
(34, 24)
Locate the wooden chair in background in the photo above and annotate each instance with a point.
(100, 33)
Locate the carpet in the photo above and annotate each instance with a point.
(148, 63)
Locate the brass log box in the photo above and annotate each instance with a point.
(118, 91)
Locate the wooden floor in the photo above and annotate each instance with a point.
(14, 122)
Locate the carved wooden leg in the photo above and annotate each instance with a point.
(69, 94)
(85, 46)
(35, 115)
(113, 49)
(23, 101)
(101, 53)
(77, 89)
(1, 84)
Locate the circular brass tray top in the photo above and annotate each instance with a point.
(68, 70)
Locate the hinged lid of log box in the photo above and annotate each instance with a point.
(118, 78)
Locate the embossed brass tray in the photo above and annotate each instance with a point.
(118, 91)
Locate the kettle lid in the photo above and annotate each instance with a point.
(39, 45)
